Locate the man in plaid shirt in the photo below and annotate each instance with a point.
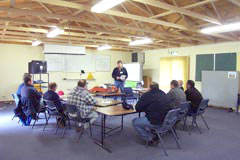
(81, 98)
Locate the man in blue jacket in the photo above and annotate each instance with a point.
(22, 84)
(51, 95)
(155, 104)
(30, 100)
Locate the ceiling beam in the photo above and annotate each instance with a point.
(113, 13)
(179, 10)
(236, 2)
(185, 7)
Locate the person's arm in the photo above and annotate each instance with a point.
(114, 74)
(90, 100)
(126, 73)
(142, 104)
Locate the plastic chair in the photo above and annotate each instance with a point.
(74, 114)
(51, 109)
(182, 115)
(201, 110)
(168, 125)
(42, 109)
(16, 99)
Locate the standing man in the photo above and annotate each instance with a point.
(119, 75)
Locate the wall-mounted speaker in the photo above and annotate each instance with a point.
(138, 57)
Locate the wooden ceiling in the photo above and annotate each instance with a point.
(170, 23)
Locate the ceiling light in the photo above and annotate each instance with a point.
(104, 47)
(36, 42)
(140, 41)
(222, 28)
(55, 32)
(105, 5)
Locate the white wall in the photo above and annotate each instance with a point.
(14, 63)
(152, 57)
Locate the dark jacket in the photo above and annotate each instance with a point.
(195, 97)
(30, 99)
(19, 90)
(155, 104)
(118, 73)
(53, 96)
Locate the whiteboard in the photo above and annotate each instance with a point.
(135, 71)
(55, 62)
(103, 63)
(76, 63)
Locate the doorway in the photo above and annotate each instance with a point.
(173, 68)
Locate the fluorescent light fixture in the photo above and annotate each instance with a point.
(105, 5)
(174, 53)
(140, 41)
(55, 32)
(36, 42)
(104, 47)
(222, 28)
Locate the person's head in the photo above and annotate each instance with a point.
(27, 80)
(82, 83)
(190, 84)
(174, 84)
(180, 83)
(27, 75)
(52, 86)
(119, 64)
(154, 86)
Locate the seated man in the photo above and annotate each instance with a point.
(176, 95)
(81, 98)
(193, 95)
(30, 99)
(180, 84)
(51, 95)
(155, 104)
(22, 84)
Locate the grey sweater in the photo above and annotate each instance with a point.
(176, 96)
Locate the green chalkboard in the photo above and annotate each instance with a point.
(226, 62)
(204, 62)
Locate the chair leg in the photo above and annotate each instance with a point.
(195, 122)
(176, 133)
(34, 123)
(19, 121)
(57, 128)
(13, 117)
(186, 126)
(90, 129)
(205, 122)
(80, 133)
(65, 128)
(175, 138)
(69, 124)
(162, 144)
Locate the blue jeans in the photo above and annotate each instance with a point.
(143, 126)
(119, 85)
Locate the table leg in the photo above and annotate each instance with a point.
(104, 126)
(122, 123)
(139, 114)
(101, 144)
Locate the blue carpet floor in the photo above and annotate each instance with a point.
(221, 142)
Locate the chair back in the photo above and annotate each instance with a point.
(170, 119)
(202, 106)
(50, 106)
(73, 113)
(184, 108)
(128, 91)
(16, 99)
